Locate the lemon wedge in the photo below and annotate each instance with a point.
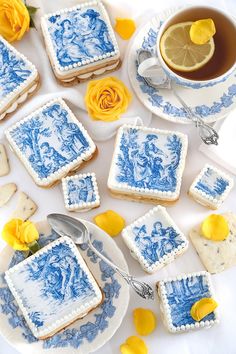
(180, 53)
(202, 31)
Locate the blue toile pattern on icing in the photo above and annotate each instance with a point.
(155, 242)
(13, 70)
(75, 335)
(79, 35)
(182, 294)
(148, 160)
(50, 140)
(80, 190)
(212, 184)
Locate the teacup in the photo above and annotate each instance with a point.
(220, 66)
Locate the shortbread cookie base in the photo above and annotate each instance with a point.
(4, 161)
(20, 99)
(198, 199)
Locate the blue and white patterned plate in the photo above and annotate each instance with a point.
(83, 336)
(211, 103)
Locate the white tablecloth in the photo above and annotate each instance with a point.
(186, 213)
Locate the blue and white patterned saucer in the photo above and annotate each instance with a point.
(211, 103)
(83, 336)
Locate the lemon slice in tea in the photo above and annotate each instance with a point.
(180, 53)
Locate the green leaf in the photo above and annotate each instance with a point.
(32, 11)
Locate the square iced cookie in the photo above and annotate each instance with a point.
(177, 295)
(211, 187)
(154, 239)
(147, 164)
(80, 192)
(216, 255)
(51, 142)
(18, 78)
(53, 288)
(80, 42)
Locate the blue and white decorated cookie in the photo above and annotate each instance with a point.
(51, 142)
(211, 187)
(80, 192)
(147, 164)
(177, 296)
(80, 42)
(18, 78)
(154, 239)
(53, 287)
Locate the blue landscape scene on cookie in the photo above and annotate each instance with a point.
(79, 35)
(182, 294)
(156, 241)
(55, 278)
(13, 70)
(80, 190)
(50, 140)
(212, 183)
(148, 160)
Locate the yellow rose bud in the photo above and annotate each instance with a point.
(106, 99)
(14, 19)
(28, 232)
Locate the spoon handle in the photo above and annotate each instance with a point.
(141, 288)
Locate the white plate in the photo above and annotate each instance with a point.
(85, 335)
(211, 103)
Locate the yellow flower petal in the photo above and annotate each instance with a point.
(125, 27)
(28, 232)
(215, 227)
(202, 308)
(202, 31)
(11, 235)
(111, 222)
(134, 345)
(144, 321)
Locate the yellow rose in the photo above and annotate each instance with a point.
(106, 99)
(14, 19)
(19, 234)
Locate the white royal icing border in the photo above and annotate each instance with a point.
(76, 67)
(124, 188)
(65, 169)
(83, 206)
(207, 199)
(73, 314)
(166, 309)
(135, 250)
(21, 87)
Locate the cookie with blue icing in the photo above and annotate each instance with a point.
(147, 164)
(18, 78)
(53, 287)
(80, 42)
(51, 142)
(154, 239)
(178, 294)
(211, 187)
(80, 192)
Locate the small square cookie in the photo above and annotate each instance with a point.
(53, 288)
(51, 142)
(18, 78)
(211, 187)
(147, 164)
(154, 239)
(80, 192)
(216, 255)
(80, 42)
(177, 295)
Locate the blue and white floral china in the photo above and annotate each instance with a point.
(83, 336)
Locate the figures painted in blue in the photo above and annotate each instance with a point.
(80, 190)
(50, 140)
(155, 243)
(79, 35)
(212, 183)
(182, 294)
(148, 160)
(13, 70)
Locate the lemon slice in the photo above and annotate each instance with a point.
(180, 53)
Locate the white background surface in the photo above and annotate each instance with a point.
(219, 339)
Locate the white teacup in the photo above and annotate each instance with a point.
(223, 62)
